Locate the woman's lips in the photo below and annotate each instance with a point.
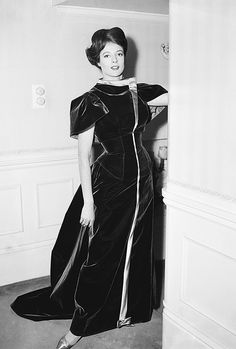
(115, 67)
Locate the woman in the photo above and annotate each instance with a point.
(101, 264)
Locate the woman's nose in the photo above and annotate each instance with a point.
(114, 58)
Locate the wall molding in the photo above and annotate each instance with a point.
(27, 247)
(186, 241)
(208, 204)
(187, 327)
(44, 157)
(202, 190)
(105, 12)
(37, 157)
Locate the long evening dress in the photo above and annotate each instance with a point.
(103, 278)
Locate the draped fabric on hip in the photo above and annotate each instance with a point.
(103, 280)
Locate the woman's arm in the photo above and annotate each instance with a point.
(159, 101)
(85, 141)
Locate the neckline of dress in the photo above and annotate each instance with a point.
(123, 82)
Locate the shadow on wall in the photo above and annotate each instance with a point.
(155, 124)
(131, 59)
(158, 229)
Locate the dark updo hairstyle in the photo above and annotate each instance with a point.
(99, 40)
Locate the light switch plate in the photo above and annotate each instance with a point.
(38, 96)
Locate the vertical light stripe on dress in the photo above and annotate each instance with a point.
(123, 320)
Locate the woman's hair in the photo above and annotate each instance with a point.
(99, 40)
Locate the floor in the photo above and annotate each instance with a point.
(19, 333)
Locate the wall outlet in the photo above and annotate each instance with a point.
(38, 96)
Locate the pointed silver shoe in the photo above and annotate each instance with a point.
(63, 344)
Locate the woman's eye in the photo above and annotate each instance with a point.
(106, 56)
(120, 54)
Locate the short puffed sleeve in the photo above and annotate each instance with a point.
(149, 92)
(85, 111)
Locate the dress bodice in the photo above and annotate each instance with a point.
(111, 108)
(119, 113)
(120, 120)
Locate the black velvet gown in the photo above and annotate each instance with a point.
(103, 279)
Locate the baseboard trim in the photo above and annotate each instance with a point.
(35, 280)
(26, 263)
(178, 334)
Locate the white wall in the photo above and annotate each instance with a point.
(38, 163)
(44, 45)
(200, 284)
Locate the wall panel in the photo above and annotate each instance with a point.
(11, 219)
(36, 189)
(206, 282)
(53, 200)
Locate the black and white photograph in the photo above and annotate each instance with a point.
(117, 174)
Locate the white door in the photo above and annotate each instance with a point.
(200, 286)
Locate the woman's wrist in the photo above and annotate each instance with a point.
(89, 202)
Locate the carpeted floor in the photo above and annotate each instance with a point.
(18, 333)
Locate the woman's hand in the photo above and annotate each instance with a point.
(88, 214)
(85, 140)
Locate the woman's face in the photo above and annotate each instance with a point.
(112, 61)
